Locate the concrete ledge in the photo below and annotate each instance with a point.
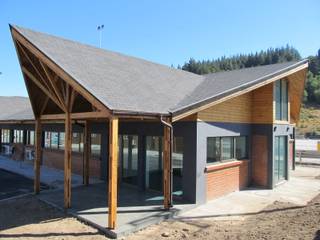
(220, 166)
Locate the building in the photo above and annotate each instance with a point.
(130, 121)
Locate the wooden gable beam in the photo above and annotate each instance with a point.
(82, 115)
(52, 82)
(44, 105)
(46, 91)
(26, 55)
(59, 71)
(34, 108)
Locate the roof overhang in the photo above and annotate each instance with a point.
(239, 90)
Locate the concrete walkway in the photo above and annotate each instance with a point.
(48, 176)
(136, 209)
(304, 185)
(308, 161)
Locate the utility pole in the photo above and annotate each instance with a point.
(100, 28)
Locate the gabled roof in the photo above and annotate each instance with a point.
(120, 82)
(128, 84)
(218, 85)
(15, 109)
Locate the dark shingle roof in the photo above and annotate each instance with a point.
(220, 84)
(125, 83)
(120, 82)
(15, 108)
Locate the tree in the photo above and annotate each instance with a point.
(224, 63)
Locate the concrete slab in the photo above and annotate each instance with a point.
(136, 209)
(48, 176)
(300, 189)
(308, 161)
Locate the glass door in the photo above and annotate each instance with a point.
(129, 159)
(280, 158)
(153, 179)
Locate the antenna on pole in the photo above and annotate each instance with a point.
(100, 28)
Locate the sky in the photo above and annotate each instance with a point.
(163, 31)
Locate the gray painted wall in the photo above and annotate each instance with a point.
(194, 146)
(213, 129)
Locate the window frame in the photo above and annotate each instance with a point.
(5, 136)
(232, 151)
(281, 98)
(18, 136)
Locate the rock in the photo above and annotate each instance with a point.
(165, 234)
(184, 235)
(185, 229)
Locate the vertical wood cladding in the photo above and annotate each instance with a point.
(226, 180)
(262, 104)
(253, 107)
(238, 109)
(260, 160)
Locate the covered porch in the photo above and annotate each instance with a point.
(135, 210)
(56, 97)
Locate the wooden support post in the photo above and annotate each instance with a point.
(67, 161)
(38, 153)
(86, 152)
(167, 167)
(113, 172)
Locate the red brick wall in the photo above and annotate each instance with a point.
(55, 159)
(260, 160)
(226, 178)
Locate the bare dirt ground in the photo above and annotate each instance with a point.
(28, 218)
(278, 221)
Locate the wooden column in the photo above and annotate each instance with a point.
(86, 152)
(113, 172)
(167, 167)
(67, 161)
(38, 153)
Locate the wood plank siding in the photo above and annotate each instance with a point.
(252, 107)
(256, 106)
(236, 110)
(262, 105)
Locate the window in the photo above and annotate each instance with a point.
(54, 140)
(129, 157)
(30, 138)
(153, 176)
(226, 148)
(77, 142)
(18, 136)
(61, 140)
(95, 144)
(213, 149)
(241, 150)
(177, 156)
(227, 151)
(5, 136)
(281, 98)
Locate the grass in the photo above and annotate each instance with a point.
(309, 120)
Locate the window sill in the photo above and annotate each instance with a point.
(281, 122)
(223, 165)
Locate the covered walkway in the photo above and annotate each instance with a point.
(136, 209)
(49, 176)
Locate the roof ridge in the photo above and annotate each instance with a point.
(102, 49)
